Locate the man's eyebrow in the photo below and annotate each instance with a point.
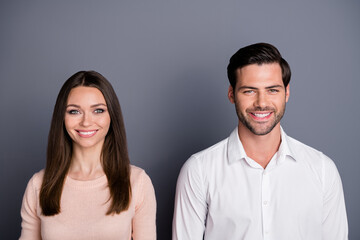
(275, 86)
(255, 88)
(247, 87)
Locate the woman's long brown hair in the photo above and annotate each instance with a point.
(115, 159)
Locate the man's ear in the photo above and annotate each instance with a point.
(231, 94)
(287, 93)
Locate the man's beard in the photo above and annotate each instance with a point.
(260, 128)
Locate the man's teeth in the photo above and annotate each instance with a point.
(261, 115)
(87, 133)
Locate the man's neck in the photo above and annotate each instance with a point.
(260, 148)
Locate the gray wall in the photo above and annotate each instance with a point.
(167, 62)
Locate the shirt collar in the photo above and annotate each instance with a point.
(236, 150)
(285, 147)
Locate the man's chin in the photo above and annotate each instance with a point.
(260, 130)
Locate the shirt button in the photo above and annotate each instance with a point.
(266, 232)
(265, 203)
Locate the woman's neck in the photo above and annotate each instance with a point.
(85, 163)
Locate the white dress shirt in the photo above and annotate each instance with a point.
(223, 194)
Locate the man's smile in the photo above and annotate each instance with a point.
(261, 116)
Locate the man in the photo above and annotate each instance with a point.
(259, 183)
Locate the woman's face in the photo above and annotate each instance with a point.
(87, 119)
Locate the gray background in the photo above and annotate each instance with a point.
(167, 62)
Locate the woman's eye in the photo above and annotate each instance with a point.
(99, 110)
(73, 111)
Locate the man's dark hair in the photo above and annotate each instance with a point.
(259, 53)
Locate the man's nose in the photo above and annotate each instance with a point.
(261, 100)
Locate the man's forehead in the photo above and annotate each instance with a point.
(264, 74)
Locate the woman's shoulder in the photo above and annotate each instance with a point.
(141, 187)
(36, 179)
(138, 176)
(136, 170)
(136, 173)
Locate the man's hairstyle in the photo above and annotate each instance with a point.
(259, 53)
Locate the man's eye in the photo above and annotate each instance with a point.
(99, 110)
(249, 91)
(273, 90)
(73, 111)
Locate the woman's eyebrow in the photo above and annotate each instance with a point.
(98, 105)
(92, 106)
(73, 105)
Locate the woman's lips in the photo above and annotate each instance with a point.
(86, 134)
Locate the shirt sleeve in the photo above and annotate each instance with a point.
(144, 221)
(335, 225)
(190, 203)
(30, 225)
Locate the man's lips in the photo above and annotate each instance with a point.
(263, 116)
(87, 133)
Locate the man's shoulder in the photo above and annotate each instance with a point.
(215, 149)
(298, 146)
(207, 157)
(307, 153)
(316, 161)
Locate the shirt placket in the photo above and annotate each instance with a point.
(266, 204)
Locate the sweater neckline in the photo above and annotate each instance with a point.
(93, 183)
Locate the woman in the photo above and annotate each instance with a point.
(88, 189)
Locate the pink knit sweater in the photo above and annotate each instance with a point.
(83, 211)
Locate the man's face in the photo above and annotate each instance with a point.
(260, 97)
